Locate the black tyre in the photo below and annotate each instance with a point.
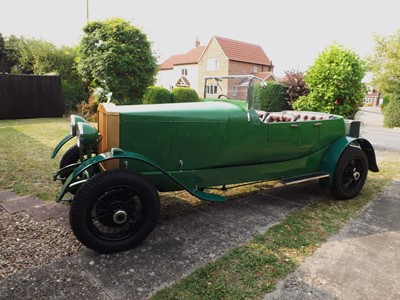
(350, 173)
(114, 211)
(71, 156)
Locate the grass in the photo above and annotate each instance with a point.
(26, 167)
(25, 149)
(251, 270)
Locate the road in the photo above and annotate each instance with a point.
(386, 141)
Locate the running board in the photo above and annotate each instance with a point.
(303, 178)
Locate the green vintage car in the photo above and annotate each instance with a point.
(116, 170)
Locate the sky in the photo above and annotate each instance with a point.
(292, 32)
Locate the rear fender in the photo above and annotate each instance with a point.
(332, 155)
(72, 184)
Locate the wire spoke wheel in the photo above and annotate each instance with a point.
(114, 211)
(118, 213)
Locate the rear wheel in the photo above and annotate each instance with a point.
(350, 173)
(114, 211)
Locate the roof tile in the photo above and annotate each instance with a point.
(244, 52)
(170, 62)
(191, 57)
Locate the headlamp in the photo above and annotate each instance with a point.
(74, 123)
(86, 135)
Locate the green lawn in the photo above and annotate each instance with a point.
(25, 149)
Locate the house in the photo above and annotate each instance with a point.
(181, 70)
(373, 97)
(221, 56)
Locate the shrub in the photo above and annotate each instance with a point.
(335, 83)
(295, 86)
(391, 113)
(156, 94)
(182, 94)
(385, 103)
(88, 110)
(270, 97)
(73, 94)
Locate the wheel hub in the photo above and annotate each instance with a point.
(356, 175)
(120, 217)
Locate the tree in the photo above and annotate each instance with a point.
(117, 57)
(8, 53)
(335, 83)
(384, 65)
(31, 56)
(2, 54)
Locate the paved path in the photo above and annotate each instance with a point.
(361, 262)
(36, 208)
(173, 250)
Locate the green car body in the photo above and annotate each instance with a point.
(193, 146)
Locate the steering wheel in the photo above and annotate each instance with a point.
(222, 95)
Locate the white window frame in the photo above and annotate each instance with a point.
(211, 89)
(212, 64)
(234, 90)
(367, 100)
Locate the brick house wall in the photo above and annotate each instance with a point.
(213, 51)
(373, 97)
(225, 67)
(220, 57)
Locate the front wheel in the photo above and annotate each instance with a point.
(71, 156)
(114, 211)
(350, 173)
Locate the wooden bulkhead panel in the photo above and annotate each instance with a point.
(108, 126)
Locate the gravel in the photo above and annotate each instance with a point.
(25, 242)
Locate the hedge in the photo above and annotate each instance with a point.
(182, 94)
(156, 94)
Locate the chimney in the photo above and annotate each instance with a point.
(197, 42)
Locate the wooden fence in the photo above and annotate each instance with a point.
(30, 96)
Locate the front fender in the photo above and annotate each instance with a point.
(60, 144)
(120, 154)
(332, 155)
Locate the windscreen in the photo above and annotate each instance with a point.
(236, 87)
